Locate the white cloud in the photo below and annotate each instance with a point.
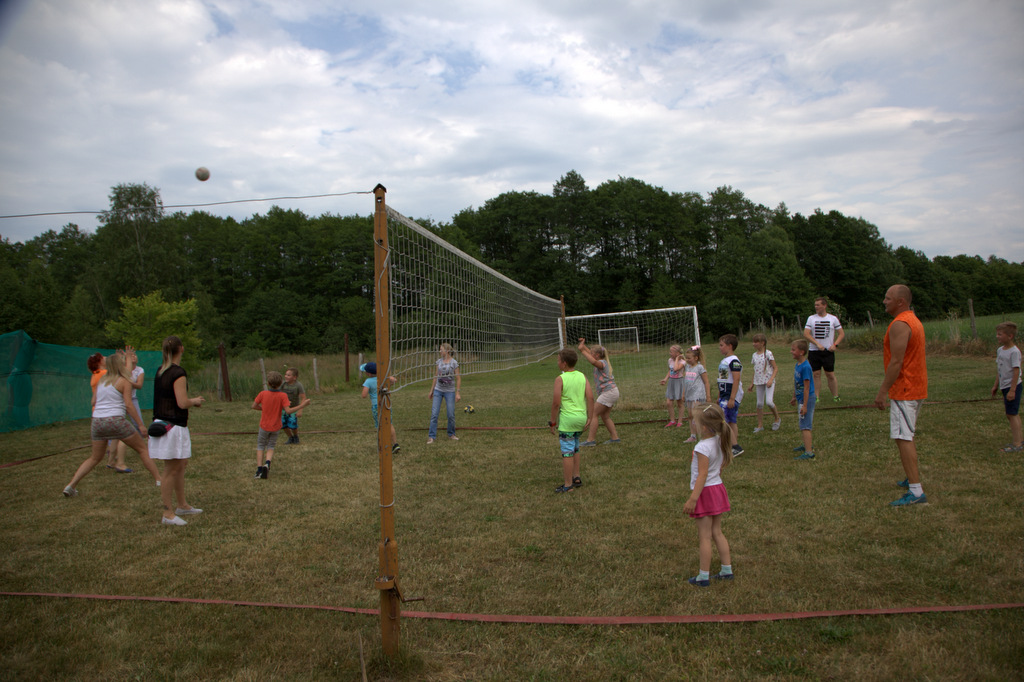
(908, 114)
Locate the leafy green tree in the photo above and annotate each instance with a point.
(133, 254)
(147, 320)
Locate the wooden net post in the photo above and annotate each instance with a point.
(387, 579)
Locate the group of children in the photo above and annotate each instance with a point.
(714, 425)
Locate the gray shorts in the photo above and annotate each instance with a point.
(266, 440)
(903, 418)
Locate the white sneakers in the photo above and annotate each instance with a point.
(174, 521)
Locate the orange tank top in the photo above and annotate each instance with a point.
(912, 383)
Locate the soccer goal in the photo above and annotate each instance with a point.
(440, 294)
(637, 343)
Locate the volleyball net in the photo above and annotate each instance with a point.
(440, 294)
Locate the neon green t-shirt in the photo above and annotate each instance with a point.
(572, 416)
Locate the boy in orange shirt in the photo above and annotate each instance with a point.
(273, 404)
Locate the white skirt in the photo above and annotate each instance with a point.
(177, 444)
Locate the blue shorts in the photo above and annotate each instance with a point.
(289, 421)
(808, 419)
(1012, 406)
(376, 420)
(569, 442)
(731, 413)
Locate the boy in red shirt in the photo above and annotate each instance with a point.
(272, 403)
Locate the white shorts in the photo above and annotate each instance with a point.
(177, 444)
(609, 398)
(903, 418)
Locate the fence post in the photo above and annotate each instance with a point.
(224, 381)
(346, 357)
(316, 377)
(974, 328)
(263, 373)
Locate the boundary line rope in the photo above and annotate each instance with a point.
(548, 620)
(212, 203)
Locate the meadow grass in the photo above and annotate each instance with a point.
(480, 530)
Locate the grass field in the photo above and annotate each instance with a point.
(480, 530)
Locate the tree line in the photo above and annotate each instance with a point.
(287, 282)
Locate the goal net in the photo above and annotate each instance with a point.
(440, 294)
(637, 342)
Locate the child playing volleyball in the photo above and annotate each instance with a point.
(572, 407)
(765, 371)
(674, 390)
(696, 387)
(1008, 380)
(709, 499)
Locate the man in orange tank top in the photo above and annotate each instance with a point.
(905, 384)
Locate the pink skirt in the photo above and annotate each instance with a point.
(713, 500)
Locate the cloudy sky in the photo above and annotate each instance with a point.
(907, 113)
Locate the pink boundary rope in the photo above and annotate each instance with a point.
(548, 620)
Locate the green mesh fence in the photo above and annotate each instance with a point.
(46, 383)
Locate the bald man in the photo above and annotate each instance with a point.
(906, 385)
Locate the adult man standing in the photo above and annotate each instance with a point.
(823, 333)
(905, 383)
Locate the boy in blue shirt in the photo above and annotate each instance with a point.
(804, 396)
(370, 391)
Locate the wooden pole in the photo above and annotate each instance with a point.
(316, 377)
(224, 372)
(387, 579)
(346, 357)
(974, 327)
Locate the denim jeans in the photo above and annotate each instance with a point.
(435, 410)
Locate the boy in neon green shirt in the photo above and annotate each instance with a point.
(571, 410)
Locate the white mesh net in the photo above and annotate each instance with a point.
(439, 294)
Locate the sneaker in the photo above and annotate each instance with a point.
(759, 429)
(1010, 447)
(70, 492)
(453, 437)
(259, 472)
(173, 521)
(806, 455)
(670, 425)
(295, 440)
(691, 439)
(776, 425)
(679, 424)
(723, 576)
(836, 399)
(429, 441)
(612, 441)
(699, 583)
(395, 447)
(183, 512)
(910, 498)
(905, 483)
(799, 448)
(588, 444)
(737, 450)
(564, 489)
(577, 482)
